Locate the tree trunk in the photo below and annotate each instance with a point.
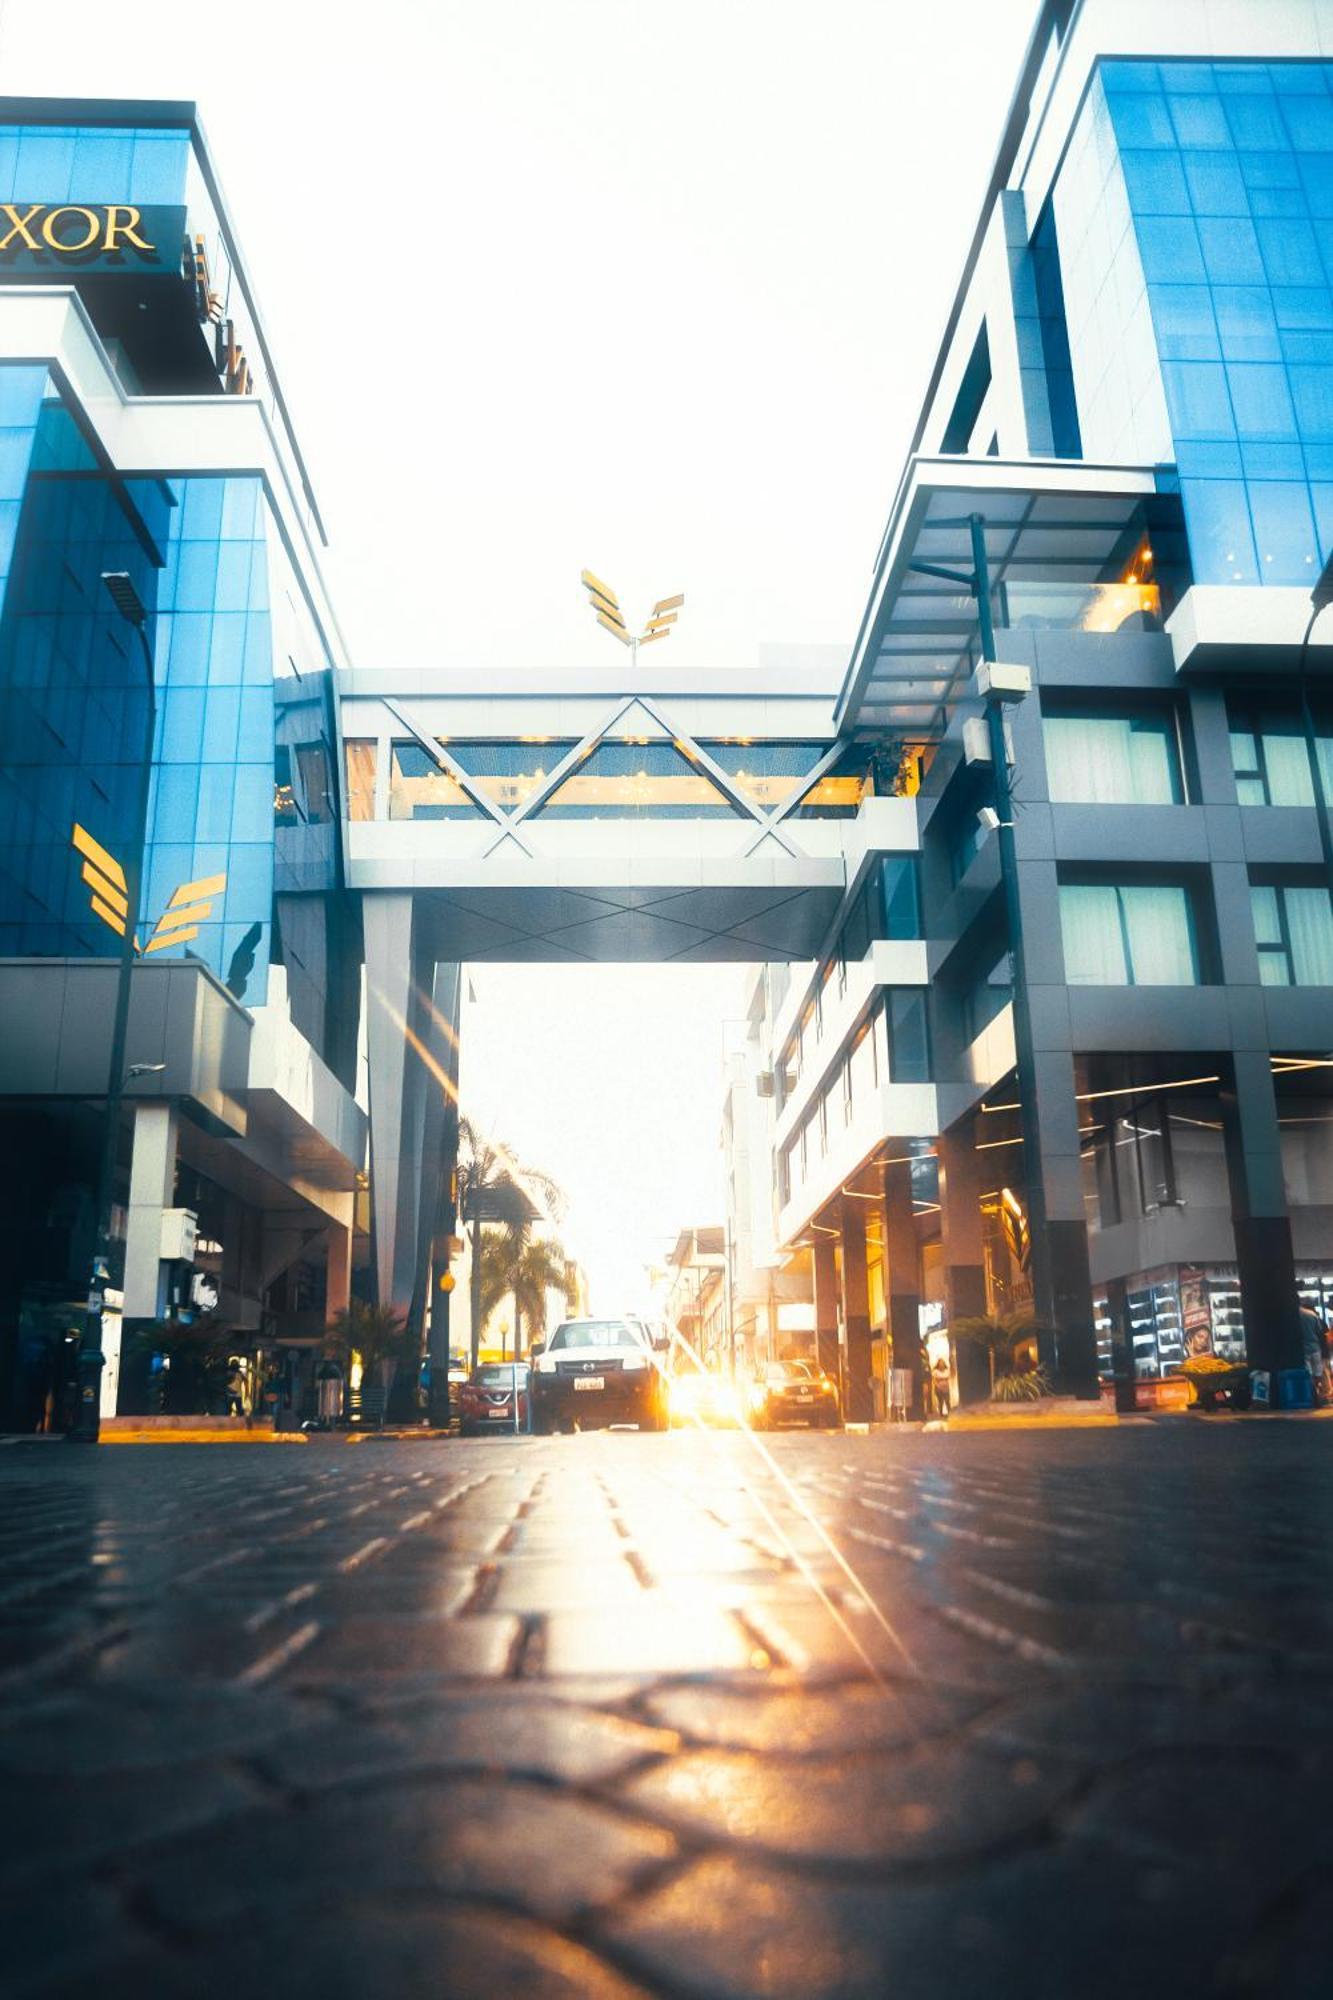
(474, 1291)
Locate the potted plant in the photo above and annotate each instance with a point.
(379, 1334)
(1009, 1341)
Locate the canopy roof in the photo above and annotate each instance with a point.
(1048, 522)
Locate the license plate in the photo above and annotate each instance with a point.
(803, 1395)
(590, 1381)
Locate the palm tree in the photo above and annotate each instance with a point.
(526, 1270)
(379, 1334)
(496, 1188)
(539, 1269)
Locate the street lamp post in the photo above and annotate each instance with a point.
(1320, 599)
(87, 1419)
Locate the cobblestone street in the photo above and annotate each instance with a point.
(910, 1715)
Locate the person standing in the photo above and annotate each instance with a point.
(1314, 1336)
(941, 1378)
(235, 1390)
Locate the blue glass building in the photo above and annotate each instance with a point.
(154, 442)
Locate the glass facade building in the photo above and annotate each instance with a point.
(1195, 223)
(243, 776)
(73, 678)
(206, 732)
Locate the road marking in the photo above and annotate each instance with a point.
(364, 1553)
(266, 1612)
(268, 1664)
(216, 1562)
(908, 1549)
(1000, 1635)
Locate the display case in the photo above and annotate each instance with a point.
(1152, 1299)
(1224, 1308)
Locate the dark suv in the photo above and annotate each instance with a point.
(793, 1392)
(597, 1371)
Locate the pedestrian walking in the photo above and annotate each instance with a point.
(235, 1390)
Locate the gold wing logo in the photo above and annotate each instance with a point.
(190, 905)
(606, 608)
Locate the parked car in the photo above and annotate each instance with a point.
(794, 1392)
(598, 1371)
(486, 1399)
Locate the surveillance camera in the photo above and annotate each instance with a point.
(988, 819)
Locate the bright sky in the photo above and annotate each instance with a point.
(651, 286)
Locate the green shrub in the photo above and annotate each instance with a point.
(1028, 1386)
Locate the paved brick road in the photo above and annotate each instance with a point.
(905, 1715)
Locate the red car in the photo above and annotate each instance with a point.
(486, 1399)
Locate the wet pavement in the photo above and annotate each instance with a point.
(895, 1715)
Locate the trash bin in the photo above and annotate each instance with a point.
(329, 1394)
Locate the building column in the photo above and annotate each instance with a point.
(152, 1189)
(964, 1254)
(859, 1403)
(397, 1028)
(1061, 1269)
(338, 1272)
(902, 1277)
(1265, 1260)
(826, 1307)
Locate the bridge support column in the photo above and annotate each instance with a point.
(398, 979)
(826, 1307)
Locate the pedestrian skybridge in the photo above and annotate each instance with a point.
(535, 817)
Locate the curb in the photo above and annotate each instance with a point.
(203, 1437)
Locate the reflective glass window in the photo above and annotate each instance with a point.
(632, 780)
(1128, 934)
(908, 1034)
(900, 897)
(419, 788)
(1293, 929)
(767, 773)
(1115, 758)
(508, 773)
(360, 756)
(1270, 758)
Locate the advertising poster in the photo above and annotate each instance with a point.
(1195, 1318)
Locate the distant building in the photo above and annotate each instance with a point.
(696, 1295)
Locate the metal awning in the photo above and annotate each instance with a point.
(1049, 522)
